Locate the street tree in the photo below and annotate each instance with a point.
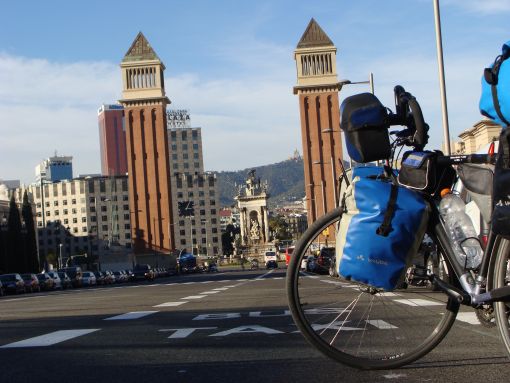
(15, 259)
(31, 257)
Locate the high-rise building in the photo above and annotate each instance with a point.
(144, 101)
(200, 232)
(53, 169)
(317, 88)
(112, 140)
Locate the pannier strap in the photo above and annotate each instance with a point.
(385, 228)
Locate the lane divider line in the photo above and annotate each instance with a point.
(51, 338)
(131, 315)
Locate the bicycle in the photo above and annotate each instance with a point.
(369, 328)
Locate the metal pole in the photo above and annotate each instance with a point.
(371, 81)
(333, 178)
(440, 64)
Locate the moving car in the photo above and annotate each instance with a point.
(271, 264)
(187, 263)
(143, 272)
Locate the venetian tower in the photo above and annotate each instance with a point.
(144, 101)
(317, 88)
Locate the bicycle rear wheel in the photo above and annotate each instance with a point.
(356, 325)
(501, 278)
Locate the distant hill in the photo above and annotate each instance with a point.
(285, 179)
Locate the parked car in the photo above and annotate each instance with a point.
(120, 277)
(130, 275)
(66, 281)
(100, 278)
(75, 274)
(45, 281)
(308, 263)
(12, 283)
(143, 272)
(56, 279)
(109, 278)
(2, 291)
(31, 283)
(88, 278)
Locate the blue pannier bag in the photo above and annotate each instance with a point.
(495, 98)
(382, 227)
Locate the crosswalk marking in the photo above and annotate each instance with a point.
(380, 324)
(418, 302)
(468, 317)
(195, 297)
(210, 292)
(221, 288)
(171, 304)
(50, 339)
(131, 315)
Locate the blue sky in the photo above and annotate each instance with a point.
(231, 64)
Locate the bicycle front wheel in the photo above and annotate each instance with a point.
(501, 278)
(357, 325)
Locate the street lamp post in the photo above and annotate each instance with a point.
(60, 255)
(333, 178)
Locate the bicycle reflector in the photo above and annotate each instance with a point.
(445, 191)
(491, 149)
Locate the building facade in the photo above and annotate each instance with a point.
(87, 215)
(475, 138)
(189, 182)
(144, 101)
(112, 140)
(317, 88)
(55, 169)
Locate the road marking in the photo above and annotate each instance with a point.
(50, 339)
(380, 324)
(418, 302)
(229, 286)
(221, 288)
(468, 317)
(242, 280)
(210, 292)
(195, 297)
(184, 332)
(207, 282)
(131, 315)
(170, 304)
(248, 329)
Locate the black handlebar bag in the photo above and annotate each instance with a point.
(501, 187)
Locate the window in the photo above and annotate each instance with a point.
(64, 202)
(126, 217)
(174, 147)
(190, 194)
(203, 240)
(104, 227)
(195, 156)
(201, 202)
(212, 202)
(196, 165)
(125, 198)
(125, 207)
(92, 209)
(175, 165)
(211, 181)
(181, 222)
(213, 211)
(84, 229)
(55, 203)
(214, 229)
(47, 214)
(93, 219)
(75, 220)
(184, 135)
(202, 230)
(202, 212)
(215, 239)
(127, 236)
(73, 201)
(182, 232)
(56, 212)
(183, 241)
(74, 211)
(104, 218)
(185, 156)
(103, 208)
(84, 219)
(91, 186)
(38, 205)
(47, 204)
(194, 134)
(213, 220)
(201, 193)
(184, 146)
(195, 146)
(127, 226)
(211, 193)
(66, 221)
(186, 165)
(173, 135)
(179, 195)
(174, 156)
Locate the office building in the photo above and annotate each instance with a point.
(54, 169)
(190, 183)
(112, 140)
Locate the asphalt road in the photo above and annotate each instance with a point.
(221, 327)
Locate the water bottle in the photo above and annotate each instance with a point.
(461, 231)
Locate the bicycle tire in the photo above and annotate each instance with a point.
(379, 341)
(501, 278)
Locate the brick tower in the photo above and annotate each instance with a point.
(317, 88)
(144, 101)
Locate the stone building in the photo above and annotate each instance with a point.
(476, 137)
